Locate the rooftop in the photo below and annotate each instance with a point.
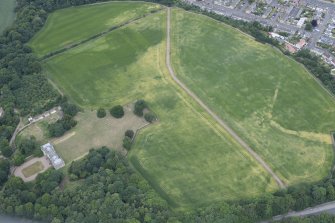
(50, 152)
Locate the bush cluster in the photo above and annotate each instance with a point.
(66, 123)
(101, 113)
(117, 111)
(140, 105)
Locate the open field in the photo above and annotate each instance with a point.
(70, 25)
(7, 14)
(186, 156)
(33, 169)
(267, 98)
(92, 132)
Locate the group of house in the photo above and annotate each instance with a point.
(292, 48)
(44, 115)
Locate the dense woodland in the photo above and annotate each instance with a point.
(103, 186)
(110, 192)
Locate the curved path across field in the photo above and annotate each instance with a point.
(204, 106)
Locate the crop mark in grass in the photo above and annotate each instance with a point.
(182, 150)
(325, 138)
(210, 112)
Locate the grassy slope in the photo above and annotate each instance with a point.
(7, 14)
(270, 100)
(186, 156)
(70, 25)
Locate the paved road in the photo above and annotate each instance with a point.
(326, 207)
(204, 106)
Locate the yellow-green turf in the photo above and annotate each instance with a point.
(186, 156)
(268, 99)
(70, 25)
(33, 169)
(7, 14)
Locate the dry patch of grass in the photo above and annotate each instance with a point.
(33, 169)
(92, 132)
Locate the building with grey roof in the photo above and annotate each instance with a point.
(49, 151)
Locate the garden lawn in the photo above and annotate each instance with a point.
(186, 156)
(7, 14)
(33, 169)
(268, 99)
(92, 132)
(67, 26)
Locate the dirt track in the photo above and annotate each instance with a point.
(217, 118)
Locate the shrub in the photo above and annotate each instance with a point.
(6, 151)
(27, 146)
(73, 177)
(18, 159)
(56, 129)
(117, 111)
(150, 117)
(127, 143)
(140, 105)
(5, 148)
(308, 26)
(70, 109)
(129, 133)
(101, 113)
(38, 152)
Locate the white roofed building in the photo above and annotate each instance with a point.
(49, 151)
(301, 22)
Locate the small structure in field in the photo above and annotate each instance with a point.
(49, 151)
(2, 112)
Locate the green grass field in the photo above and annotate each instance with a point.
(7, 14)
(186, 156)
(267, 98)
(270, 100)
(70, 25)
